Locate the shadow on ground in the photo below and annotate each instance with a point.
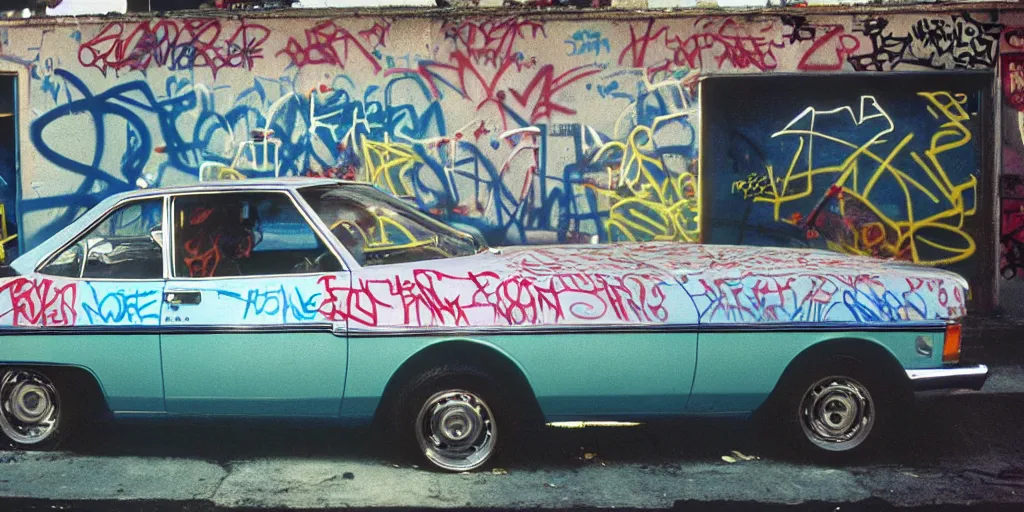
(947, 427)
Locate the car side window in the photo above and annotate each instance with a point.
(124, 245)
(245, 234)
(378, 229)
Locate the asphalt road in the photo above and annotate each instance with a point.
(964, 449)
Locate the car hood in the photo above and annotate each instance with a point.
(682, 258)
(650, 283)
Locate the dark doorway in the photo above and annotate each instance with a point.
(8, 167)
(892, 165)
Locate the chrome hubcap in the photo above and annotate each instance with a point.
(837, 413)
(29, 408)
(456, 430)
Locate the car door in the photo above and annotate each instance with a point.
(107, 283)
(242, 333)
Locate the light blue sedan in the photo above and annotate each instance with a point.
(313, 298)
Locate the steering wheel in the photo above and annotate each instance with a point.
(311, 264)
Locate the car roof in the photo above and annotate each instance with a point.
(254, 183)
(27, 261)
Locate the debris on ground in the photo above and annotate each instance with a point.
(737, 456)
(499, 471)
(740, 456)
(550, 485)
(348, 476)
(589, 455)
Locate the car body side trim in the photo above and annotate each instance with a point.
(477, 331)
(640, 328)
(158, 329)
(956, 377)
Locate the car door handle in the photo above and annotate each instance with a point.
(177, 297)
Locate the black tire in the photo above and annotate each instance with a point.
(413, 398)
(38, 386)
(795, 421)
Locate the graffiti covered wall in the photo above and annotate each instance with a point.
(525, 129)
(1011, 185)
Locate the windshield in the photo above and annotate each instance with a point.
(378, 229)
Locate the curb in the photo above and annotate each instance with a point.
(868, 505)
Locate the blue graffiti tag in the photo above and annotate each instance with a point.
(588, 41)
(273, 302)
(122, 306)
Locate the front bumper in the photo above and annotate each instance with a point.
(953, 377)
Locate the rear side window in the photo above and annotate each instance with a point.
(122, 246)
(245, 234)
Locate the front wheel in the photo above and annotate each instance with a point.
(837, 409)
(450, 418)
(837, 413)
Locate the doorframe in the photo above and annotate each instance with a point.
(20, 72)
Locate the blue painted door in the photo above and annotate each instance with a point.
(242, 330)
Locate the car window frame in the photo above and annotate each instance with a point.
(171, 255)
(103, 218)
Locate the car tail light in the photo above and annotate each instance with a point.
(951, 345)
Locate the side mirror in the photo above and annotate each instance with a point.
(158, 237)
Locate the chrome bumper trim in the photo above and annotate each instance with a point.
(956, 377)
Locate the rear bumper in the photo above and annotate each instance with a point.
(953, 377)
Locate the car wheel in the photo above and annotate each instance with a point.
(450, 417)
(32, 413)
(838, 409)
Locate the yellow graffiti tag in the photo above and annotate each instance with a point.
(219, 172)
(388, 165)
(644, 207)
(884, 235)
(754, 185)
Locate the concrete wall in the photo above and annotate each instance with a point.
(554, 128)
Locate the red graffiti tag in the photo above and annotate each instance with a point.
(40, 302)
(717, 43)
(547, 85)
(174, 44)
(430, 297)
(829, 52)
(327, 43)
(343, 302)
(377, 35)
(492, 87)
(491, 42)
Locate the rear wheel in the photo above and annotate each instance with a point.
(837, 409)
(32, 413)
(450, 417)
